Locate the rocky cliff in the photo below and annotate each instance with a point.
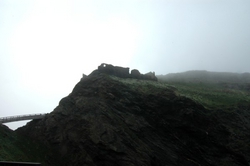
(113, 121)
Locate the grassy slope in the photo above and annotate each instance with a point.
(144, 86)
(212, 89)
(212, 95)
(9, 151)
(16, 148)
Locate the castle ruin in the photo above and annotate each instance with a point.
(124, 72)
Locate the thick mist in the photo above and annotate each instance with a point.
(45, 46)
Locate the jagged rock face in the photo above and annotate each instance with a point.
(107, 122)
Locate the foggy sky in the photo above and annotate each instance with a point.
(45, 46)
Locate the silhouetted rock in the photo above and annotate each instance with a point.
(111, 122)
(83, 76)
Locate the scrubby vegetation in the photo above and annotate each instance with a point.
(144, 86)
(14, 147)
(212, 96)
(212, 89)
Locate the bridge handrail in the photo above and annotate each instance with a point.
(26, 115)
(19, 117)
(18, 163)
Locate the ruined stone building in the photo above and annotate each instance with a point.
(124, 72)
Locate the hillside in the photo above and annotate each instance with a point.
(108, 120)
(207, 77)
(212, 89)
(14, 147)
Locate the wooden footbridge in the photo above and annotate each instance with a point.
(21, 117)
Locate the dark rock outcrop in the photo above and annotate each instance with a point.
(108, 122)
(83, 77)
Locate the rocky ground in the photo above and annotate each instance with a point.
(109, 121)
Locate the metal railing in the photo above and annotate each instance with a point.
(21, 117)
(9, 163)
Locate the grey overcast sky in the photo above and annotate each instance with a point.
(45, 46)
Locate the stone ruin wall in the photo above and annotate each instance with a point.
(124, 72)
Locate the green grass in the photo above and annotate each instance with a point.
(8, 147)
(14, 147)
(212, 95)
(144, 86)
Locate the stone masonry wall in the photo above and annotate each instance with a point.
(124, 72)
